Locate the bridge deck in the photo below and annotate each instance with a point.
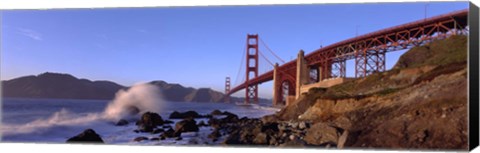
(386, 36)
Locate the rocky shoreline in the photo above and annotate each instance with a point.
(228, 129)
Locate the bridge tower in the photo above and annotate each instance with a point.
(227, 89)
(251, 91)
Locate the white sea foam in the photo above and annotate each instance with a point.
(139, 98)
(142, 97)
(63, 124)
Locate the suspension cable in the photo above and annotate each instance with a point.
(268, 48)
(241, 65)
(265, 58)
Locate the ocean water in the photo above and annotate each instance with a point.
(56, 120)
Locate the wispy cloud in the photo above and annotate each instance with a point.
(30, 33)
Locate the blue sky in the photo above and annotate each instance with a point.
(193, 46)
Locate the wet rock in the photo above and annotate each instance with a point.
(166, 126)
(155, 139)
(270, 127)
(184, 115)
(156, 131)
(260, 139)
(273, 142)
(87, 136)
(179, 138)
(320, 134)
(202, 123)
(230, 117)
(215, 135)
(149, 121)
(187, 125)
(167, 122)
(293, 143)
(138, 139)
(269, 118)
(170, 133)
(162, 138)
(216, 112)
(121, 122)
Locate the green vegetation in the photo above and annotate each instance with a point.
(447, 55)
(439, 52)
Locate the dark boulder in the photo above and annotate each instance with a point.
(187, 125)
(230, 117)
(184, 115)
(215, 135)
(138, 139)
(294, 143)
(260, 139)
(202, 123)
(149, 121)
(121, 122)
(87, 136)
(216, 112)
(271, 127)
(156, 131)
(270, 118)
(167, 122)
(170, 133)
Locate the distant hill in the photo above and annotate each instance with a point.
(61, 86)
(66, 86)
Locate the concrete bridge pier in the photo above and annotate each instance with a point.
(276, 86)
(303, 73)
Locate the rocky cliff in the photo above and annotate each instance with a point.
(420, 103)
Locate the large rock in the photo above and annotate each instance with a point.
(186, 125)
(216, 112)
(87, 136)
(230, 117)
(270, 118)
(184, 115)
(149, 121)
(170, 133)
(260, 139)
(215, 135)
(293, 143)
(270, 128)
(321, 134)
(121, 122)
(138, 139)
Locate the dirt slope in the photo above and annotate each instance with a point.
(421, 103)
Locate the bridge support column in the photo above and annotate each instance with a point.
(303, 74)
(227, 89)
(277, 84)
(325, 70)
(369, 61)
(251, 91)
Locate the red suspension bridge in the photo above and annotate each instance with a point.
(326, 66)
